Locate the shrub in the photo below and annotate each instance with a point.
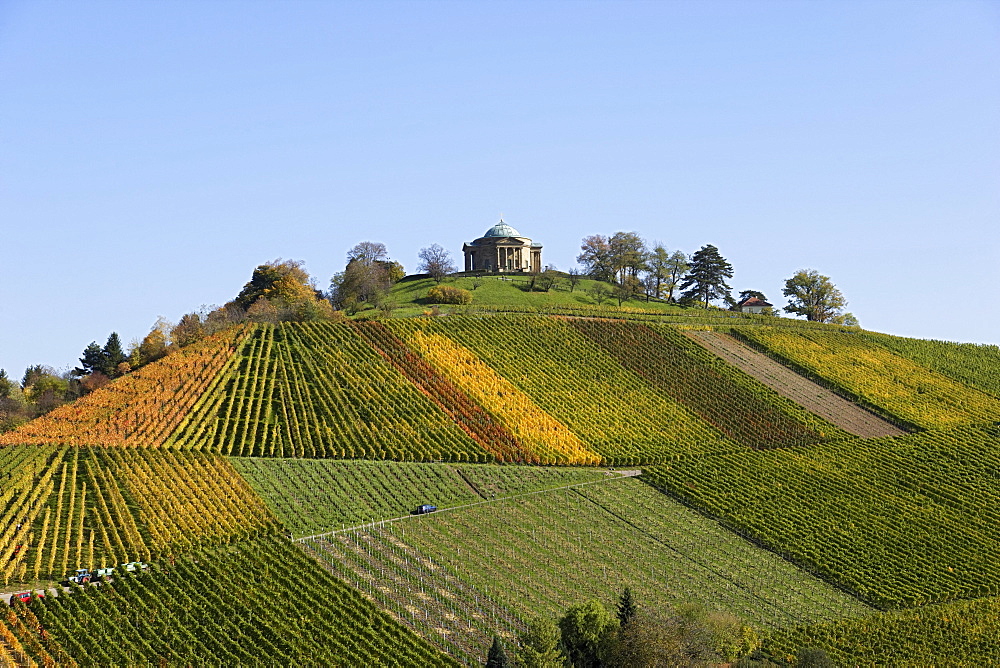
(445, 294)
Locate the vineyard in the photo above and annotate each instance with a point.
(612, 411)
(952, 634)
(140, 409)
(311, 496)
(320, 390)
(849, 417)
(750, 416)
(69, 508)
(878, 377)
(900, 522)
(457, 576)
(969, 363)
(780, 485)
(259, 602)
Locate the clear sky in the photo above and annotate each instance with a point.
(153, 153)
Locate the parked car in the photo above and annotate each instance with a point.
(424, 509)
(23, 596)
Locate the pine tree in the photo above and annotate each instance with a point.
(627, 608)
(706, 277)
(92, 360)
(113, 355)
(497, 658)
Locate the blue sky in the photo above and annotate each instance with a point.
(153, 153)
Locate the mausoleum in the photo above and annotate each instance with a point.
(503, 249)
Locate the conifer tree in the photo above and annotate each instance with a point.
(706, 278)
(627, 608)
(113, 355)
(497, 658)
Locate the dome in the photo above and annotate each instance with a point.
(502, 229)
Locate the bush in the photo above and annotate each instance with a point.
(445, 294)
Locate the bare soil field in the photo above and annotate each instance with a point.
(806, 393)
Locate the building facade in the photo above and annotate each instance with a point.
(503, 249)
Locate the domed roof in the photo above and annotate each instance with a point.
(502, 229)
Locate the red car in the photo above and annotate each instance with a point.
(24, 596)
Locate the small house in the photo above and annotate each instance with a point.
(753, 305)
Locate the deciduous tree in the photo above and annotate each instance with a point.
(436, 261)
(677, 267)
(814, 296)
(540, 645)
(588, 634)
(596, 258)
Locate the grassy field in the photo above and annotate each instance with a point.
(902, 522)
(411, 292)
(311, 496)
(462, 575)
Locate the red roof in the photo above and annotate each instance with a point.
(753, 301)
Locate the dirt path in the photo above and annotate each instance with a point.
(611, 475)
(821, 401)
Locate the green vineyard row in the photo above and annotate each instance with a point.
(259, 602)
(901, 522)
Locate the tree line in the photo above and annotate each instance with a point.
(591, 636)
(635, 267)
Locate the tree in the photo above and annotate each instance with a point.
(188, 330)
(627, 607)
(628, 255)
(114, 356)
(706, 278)
(600, 292)
(596, 258)
(677, 266)
(367, 278)
(540, 645)
(281, 280)
(814, 296)
(574, 278)
(588, 634)
(497, 657)
(436, 261)
(812, 657)
(91, 361)
(368, 252)
(747, 294)
(154, 344)
(6, 385)
(658, 266)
